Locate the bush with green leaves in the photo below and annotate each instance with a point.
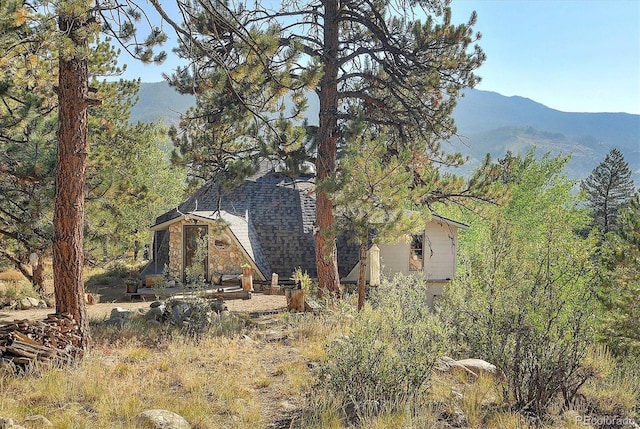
(385, 363)
(523, 299)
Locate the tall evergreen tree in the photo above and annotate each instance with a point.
(27, 137)
(378, 198)
(79, 24)
(54, 37)
(620, 280)
(376, 58)
(608, 187)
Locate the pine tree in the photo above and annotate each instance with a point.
(27, 138)
(608, 187)
(620, 280)
(79, 24)
(44, 41)
(376, 58)
(129, 178)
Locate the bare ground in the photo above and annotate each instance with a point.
(110, 299)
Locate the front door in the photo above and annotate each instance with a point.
(196, 261)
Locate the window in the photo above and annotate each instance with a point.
(416, 252)
(222, 243)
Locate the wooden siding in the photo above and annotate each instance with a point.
(439, 254)
(440, 251)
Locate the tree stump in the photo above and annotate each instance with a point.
(295, 299)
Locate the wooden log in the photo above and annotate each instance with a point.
(243, 294)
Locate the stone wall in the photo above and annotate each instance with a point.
(225, 255)
(175, 250)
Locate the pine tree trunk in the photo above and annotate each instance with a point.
(362, 275)
(68, 220)
(326, 252)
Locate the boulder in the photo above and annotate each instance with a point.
(9, 424)
(121, 313)
(478, 366)
(474, 367)
(218, 306)
(180, 312)
(37, 421)
(28, 302)
(155, 313)
(161, 419)
(118, 322)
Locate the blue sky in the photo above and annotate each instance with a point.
(570, 55)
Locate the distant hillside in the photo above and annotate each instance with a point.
(160, 101)
(488, 123)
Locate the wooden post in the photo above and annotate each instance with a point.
(374, 266)
(275, 288)
(247, 279)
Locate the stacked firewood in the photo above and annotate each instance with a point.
(55, 340)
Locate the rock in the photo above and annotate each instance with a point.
(9, 424)
(42, 304)
(478, 366)
(155, 304)
(473, 367)
(28, 302)
(218, 306)
(118, 322)
(121, 313)
(38, 421)
(161, 419)
(155, 313)
(180, 312)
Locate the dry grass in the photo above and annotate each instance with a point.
(260, 376)
(14, 286)
(12, 276)
(216, 382)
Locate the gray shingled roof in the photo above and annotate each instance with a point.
(273, 216)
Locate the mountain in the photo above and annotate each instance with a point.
(159, 101)
(492, 123)
(487, 122)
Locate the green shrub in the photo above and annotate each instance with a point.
(385, 363)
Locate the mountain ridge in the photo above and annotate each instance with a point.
(487, 122)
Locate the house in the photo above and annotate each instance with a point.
(268, 223)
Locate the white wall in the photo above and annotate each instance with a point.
(440, 244)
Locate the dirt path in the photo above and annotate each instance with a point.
(101, 311)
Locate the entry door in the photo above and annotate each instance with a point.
(196, 250)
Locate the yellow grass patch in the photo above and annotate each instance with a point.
(12, 276)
